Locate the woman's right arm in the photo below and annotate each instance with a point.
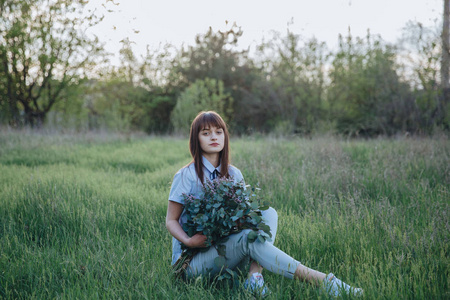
(174, 211)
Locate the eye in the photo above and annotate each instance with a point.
(219, 131)
(205, 133)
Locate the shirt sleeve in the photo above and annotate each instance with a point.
(181, 184)
(237, 176)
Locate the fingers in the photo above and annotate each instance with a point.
(202, 240)
(198, 241)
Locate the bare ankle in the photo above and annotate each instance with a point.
(309, 275)
(254, 268)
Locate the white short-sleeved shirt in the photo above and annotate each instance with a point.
(186, 181)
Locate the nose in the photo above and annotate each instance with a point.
(213, 136)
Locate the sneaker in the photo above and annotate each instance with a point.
(335, 287)
(256, 285)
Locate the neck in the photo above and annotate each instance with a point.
(213, 158)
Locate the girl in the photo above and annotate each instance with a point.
(209, 147)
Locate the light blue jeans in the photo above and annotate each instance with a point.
(238, 249)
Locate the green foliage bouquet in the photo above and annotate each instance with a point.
(224, 208)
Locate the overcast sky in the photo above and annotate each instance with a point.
(150, 22)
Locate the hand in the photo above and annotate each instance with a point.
(198, 240)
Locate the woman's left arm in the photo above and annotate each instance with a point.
(174, 211)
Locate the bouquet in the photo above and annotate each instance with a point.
(225, 208)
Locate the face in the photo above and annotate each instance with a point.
(212, 140)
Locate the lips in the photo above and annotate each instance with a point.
(214, 144)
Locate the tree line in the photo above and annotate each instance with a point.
(52, 72)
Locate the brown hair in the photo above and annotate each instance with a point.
(203, 120)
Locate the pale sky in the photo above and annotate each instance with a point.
(150, 22)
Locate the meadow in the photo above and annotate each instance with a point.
(83, 216)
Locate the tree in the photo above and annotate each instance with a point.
(204, 95)
(296, 73)
(424, 52)
(43, 50)
(215, 56)
(139, 90)
(152, 72)
(212, 56)
(366, 91)
(445, 63)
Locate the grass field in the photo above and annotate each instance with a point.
(83, 216)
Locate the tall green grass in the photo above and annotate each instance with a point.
(83, 216)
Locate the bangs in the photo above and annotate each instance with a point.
(208, 120)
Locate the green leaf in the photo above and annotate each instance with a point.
(262, 226)
(220, 261)
(221, 250)
(254, 205)
(251, 237)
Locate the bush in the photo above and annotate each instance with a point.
(207, 94)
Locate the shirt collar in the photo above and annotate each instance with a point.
(209, 166)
